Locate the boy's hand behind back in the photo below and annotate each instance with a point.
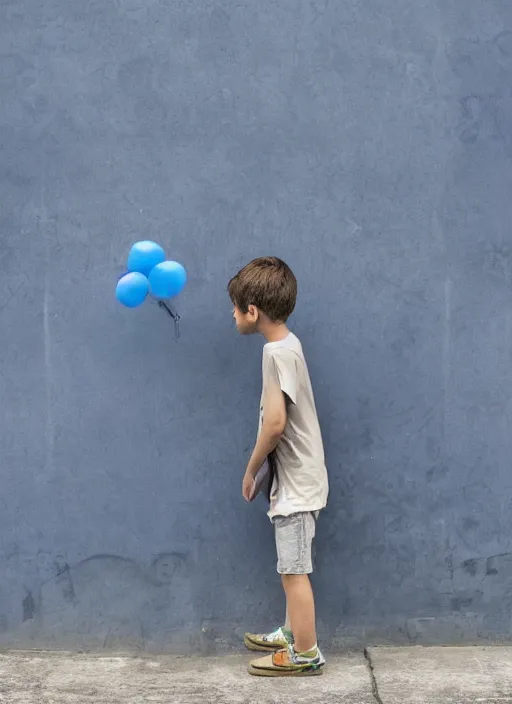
(247, 487)
(274, 423)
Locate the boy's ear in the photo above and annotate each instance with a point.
(253, 311)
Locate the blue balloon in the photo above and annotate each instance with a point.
(132, 289)
(144, 256)
(167, 280)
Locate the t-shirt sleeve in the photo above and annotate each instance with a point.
(283, 369)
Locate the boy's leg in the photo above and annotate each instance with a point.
(273, 641)
(301, 607)
(294, 537)
(287, 623)
(294, 543)
(270, 642)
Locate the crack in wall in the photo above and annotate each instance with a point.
(373, 679)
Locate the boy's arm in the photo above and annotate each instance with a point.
(274, 423)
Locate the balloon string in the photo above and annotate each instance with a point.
(174, 316)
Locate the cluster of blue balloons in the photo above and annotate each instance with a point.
(149, 272)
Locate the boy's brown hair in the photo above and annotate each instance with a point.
(267, 283)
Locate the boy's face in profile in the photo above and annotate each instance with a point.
(246, 323)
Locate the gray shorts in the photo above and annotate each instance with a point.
(294, 542)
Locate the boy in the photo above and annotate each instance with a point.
(264, 294)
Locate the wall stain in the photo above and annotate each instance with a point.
(63, 579)
(470, 566)
(29, 607)
(496, 562)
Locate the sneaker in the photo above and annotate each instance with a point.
(288, 663)
(269, 642)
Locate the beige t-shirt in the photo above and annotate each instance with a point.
(301, 482)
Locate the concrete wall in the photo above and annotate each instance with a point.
(369, 144)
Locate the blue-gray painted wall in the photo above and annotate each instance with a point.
(367, 143)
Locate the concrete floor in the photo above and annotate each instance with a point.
(449, 675)
(397, 675)
(53, 678)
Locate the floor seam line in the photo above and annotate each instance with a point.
(373, 679)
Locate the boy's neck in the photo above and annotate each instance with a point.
(273, 332)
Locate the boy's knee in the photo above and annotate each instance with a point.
(294, 579)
